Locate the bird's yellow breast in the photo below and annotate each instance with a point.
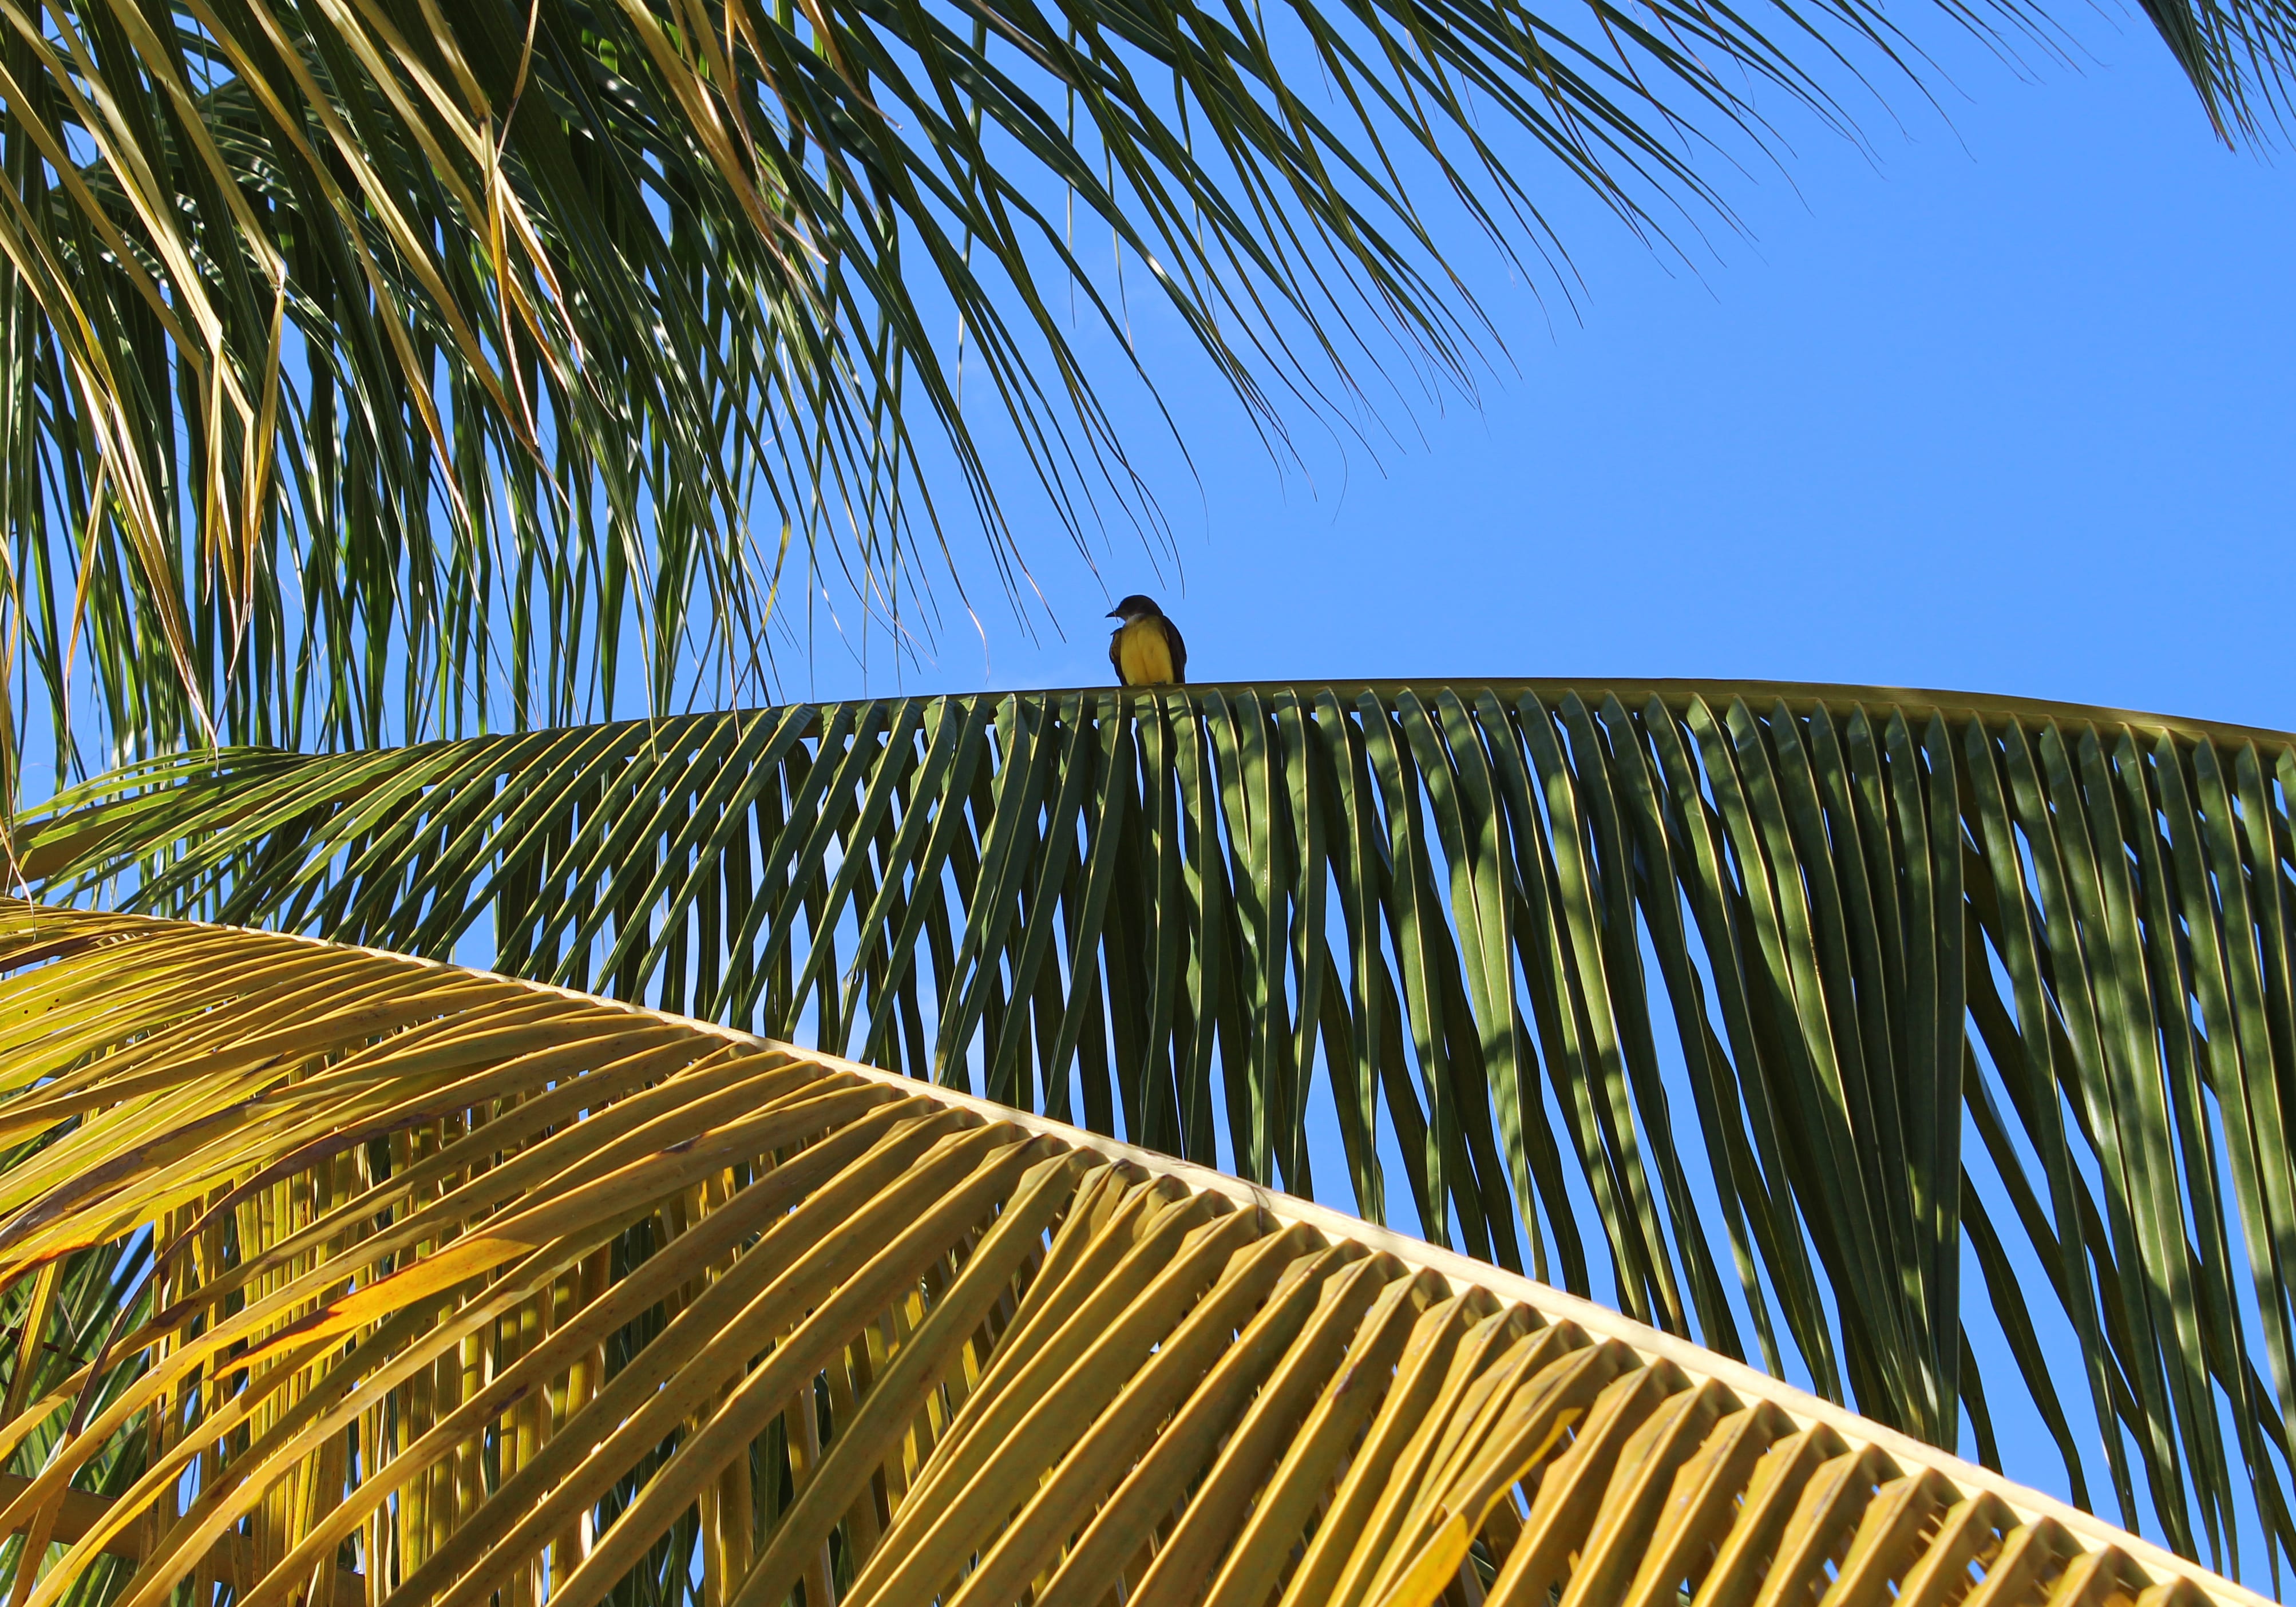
(1142, 655)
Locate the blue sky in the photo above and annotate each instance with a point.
(2000, 403)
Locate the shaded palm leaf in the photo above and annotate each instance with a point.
(377, 368)
(1937, 978)
(468, 1289)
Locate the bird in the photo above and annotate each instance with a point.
(1145, 648)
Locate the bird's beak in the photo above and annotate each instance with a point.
(1114, 613)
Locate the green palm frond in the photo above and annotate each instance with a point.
(1812, 992)
(464, 1289)
(378, 369)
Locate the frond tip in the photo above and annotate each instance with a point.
(462, 1287)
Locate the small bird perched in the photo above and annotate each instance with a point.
(1146, 648)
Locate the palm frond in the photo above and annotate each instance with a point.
(464, 1288)
(378, 369)
(1936, 978)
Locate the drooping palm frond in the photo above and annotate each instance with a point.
(1935, 977)
(464, 1288)
(374, 369)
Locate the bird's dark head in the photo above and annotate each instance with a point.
(1136, 607)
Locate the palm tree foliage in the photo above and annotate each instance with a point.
(376, 369)
(458, 1290)
(1772, 1007)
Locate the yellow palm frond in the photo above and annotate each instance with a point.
(461, 1288)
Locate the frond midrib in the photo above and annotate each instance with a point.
(1676, 693)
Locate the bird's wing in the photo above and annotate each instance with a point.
(1179, 650)
(1116, 654)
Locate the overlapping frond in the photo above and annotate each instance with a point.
(461, 1288)
(375, 369)
(1817, 995)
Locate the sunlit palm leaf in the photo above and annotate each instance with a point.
(372, 369)
(466, 1290)
(1499, 932)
